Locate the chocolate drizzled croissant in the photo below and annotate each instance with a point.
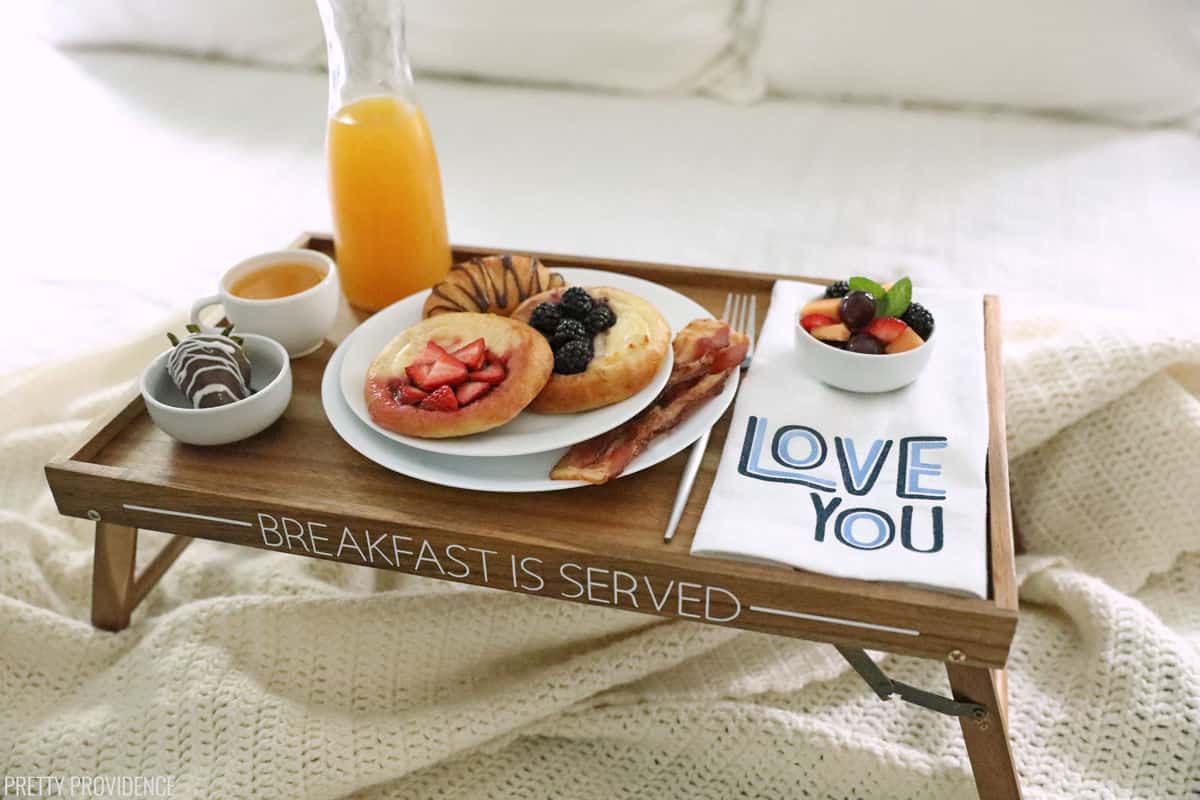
(491, 284)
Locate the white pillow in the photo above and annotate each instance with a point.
(629, 45)
(1130, 60)
(282, 32)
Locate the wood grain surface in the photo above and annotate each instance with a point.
(986, 740)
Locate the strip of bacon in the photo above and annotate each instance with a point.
(699, 337)
(706, 353)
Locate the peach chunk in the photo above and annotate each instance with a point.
(832, 333)
(825, 306)
(909, 340)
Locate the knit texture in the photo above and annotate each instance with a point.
(254, 674)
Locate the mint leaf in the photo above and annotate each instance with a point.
(898, 298)
(861, 284)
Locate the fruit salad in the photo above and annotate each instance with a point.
(862, 316)
(446, 381)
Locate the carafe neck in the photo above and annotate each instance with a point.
(364, 41)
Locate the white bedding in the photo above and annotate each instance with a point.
(132, 181)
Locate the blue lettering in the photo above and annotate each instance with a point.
(913, 468)
(882, 528)
(906, 515)
(752, 446)
(780, 447)
(860, 478)
(824, 512)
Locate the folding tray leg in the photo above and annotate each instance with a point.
(116, 591)
(987, 739)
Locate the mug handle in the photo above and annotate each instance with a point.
(200, 305)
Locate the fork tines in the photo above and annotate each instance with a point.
(741, 312)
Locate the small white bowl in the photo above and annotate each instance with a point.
(270, 378)
(860, 372)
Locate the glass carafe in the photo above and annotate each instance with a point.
(389, 220)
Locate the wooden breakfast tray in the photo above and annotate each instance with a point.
(297, 487)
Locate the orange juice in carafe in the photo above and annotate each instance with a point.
(389, 220)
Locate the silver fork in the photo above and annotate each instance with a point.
(741, 312)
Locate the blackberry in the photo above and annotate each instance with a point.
(837, 289)
(546, 318)
(572, 357)
(568, 330)
(576, 302)
(919, 319)
(600, 318)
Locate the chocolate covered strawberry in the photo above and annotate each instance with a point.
(210, 369)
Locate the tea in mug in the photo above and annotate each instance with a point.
(276, 280)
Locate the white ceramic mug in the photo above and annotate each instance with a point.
(298, 321)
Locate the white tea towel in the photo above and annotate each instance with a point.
(886, 486)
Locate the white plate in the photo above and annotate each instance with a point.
(526, 473)
(527, 432)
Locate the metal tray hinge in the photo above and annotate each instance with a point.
(885, 687)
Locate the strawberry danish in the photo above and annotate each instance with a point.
(456, 374)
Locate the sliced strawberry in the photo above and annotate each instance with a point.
(496, 359)
(394, 384)
(472, 354)
(410, 395)
(471, 391)
(491, 373)
(418, 373)
(886, 329)
(431, 353)
(441, 400)
(446, 371)
(811, 321)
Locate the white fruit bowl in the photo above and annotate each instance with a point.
(860, 372)
(270, 378)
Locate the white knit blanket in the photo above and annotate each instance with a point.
(252, 674)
